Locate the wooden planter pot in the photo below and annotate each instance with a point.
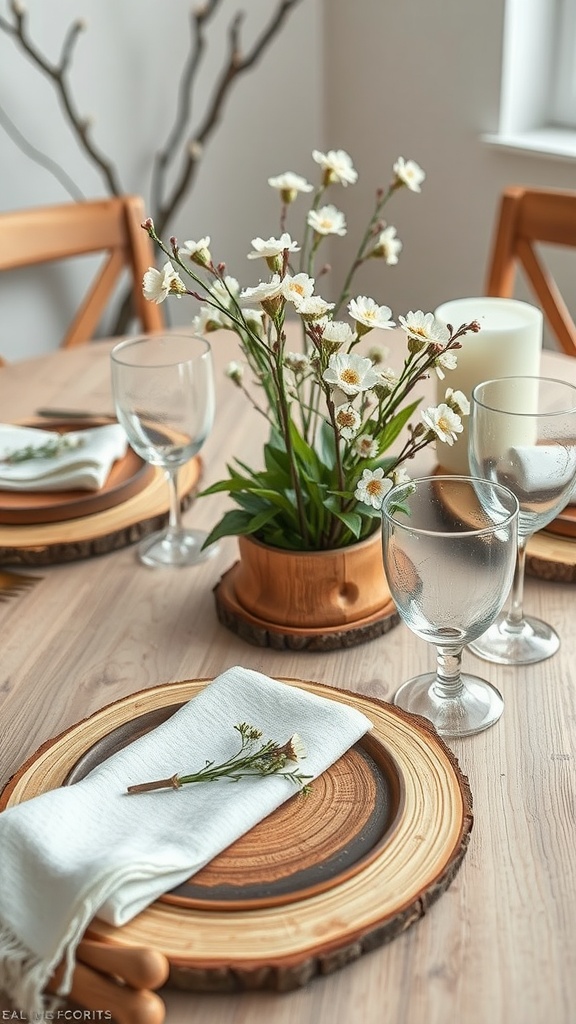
(307, 599)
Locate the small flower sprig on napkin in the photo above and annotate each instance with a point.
(50, 450)
(270, 758)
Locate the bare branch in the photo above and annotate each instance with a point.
(57, 74)
(40, 158)
(199, 18)
(236, 65)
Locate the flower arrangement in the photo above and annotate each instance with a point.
(334, 409)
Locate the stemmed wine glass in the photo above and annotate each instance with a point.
(523, 434)
(449, 548)
(163, 390)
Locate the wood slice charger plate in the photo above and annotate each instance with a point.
(43, 528)
(322, 880)
(551, 552)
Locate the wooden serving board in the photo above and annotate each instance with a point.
(281, 941)
(99, 532)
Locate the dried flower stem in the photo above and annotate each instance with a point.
(52, 448)
(270, 758)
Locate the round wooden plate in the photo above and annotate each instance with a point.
(565, 524)
(342, 823)
(128, 476)
(100, 532)
(284, 946)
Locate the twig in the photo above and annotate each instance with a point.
(40, 158)
(58, 75)
(235, 66)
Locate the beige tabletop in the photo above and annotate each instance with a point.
(499, 947)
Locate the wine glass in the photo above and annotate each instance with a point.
(523, 434)
(163, 390)
(449, 548)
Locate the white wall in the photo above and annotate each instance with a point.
(421, 79)
(125, 76)
(376, 77)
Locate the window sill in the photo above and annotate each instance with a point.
(557, 143)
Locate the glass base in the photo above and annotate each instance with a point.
(477, 706)
(166, 549)
(530, 641)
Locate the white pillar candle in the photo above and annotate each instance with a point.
(508, 344)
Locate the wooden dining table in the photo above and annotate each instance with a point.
(499, 946)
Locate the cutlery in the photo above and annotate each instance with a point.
(49, 412)
(12, 584)
(124, 988)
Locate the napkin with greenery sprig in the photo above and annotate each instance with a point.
(92, 849)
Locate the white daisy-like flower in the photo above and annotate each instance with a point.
(197, 252)
(368, 313)
(254, 318)
(338, 332)
(225, 291)
(366, 446)
(409, 173)
(424, 327)
(263, 291)
(351, 373)
(235, 371)
(457, 400)
(444, 422)
(289, 185)
(337, 166)
(297, 288)
(400, 476)
(298, 362)
(372, 487)
(327, 221)
(348, 421)
(266, 249)
(158, 284)
(313, 308)
(445, 361)
(388, 246)
(389, 378)
(294, 749)
(208, 319)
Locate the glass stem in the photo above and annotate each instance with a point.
(175, 512)
(515, 614)
(448, 683)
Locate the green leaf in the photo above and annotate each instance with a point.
(326, 445)
(392, 429)
(238, 523)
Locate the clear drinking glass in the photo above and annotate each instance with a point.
(449, 549)
(163, 389)
(522, 433)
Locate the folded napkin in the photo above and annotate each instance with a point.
(539, 467)
(84, 468)
(90, 849)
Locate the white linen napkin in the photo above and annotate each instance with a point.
(536, 467)
(84, 468)
(90, 849)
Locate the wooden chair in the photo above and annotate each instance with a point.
(529, 216)
(111, 226)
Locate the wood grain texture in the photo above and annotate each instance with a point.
(98, 533)
(500, 945)
(282, 944)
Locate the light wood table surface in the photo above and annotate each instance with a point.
(499, 947)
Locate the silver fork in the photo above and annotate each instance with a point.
(12, 584)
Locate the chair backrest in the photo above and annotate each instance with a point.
(528, 216)
(108, 226)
